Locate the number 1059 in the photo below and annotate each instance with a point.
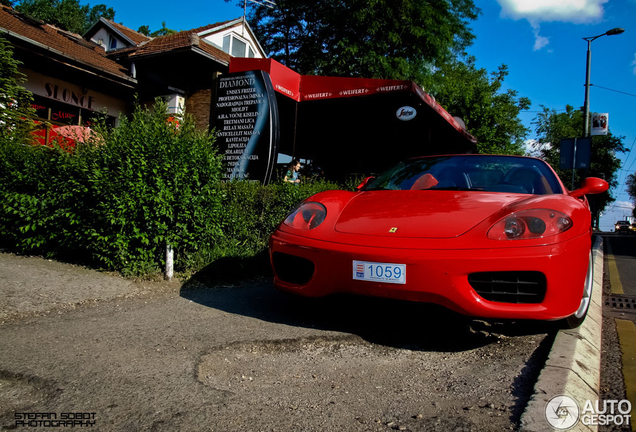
(379, 272)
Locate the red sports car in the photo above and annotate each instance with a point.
(486, 236)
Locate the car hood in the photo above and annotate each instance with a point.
(427, 214)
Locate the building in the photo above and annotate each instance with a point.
(344, 125)
(73, 76)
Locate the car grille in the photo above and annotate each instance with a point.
(510, 287)
(292, 269)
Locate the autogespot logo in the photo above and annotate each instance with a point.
(562, 412)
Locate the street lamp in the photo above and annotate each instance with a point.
(589, 40)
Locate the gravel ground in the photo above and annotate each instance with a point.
(159, 357)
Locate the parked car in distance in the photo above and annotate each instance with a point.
(484, 235)
(622, 226)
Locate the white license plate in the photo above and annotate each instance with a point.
(379, 272)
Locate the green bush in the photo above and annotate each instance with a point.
(154, 183)
(253, 211)
(116, 201)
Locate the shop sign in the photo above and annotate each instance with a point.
(247, 125)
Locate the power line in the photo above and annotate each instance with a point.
(617, 91)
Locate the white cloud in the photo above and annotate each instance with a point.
(533, 148)
(539, 41)
(536, 11)
(623, 205)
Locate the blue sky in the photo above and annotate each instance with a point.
(540, 41)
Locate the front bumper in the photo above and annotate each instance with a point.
(441, 276)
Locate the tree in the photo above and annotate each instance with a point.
(65, 14)
(418, 40)
(399, 39)
(491, 115)
(552, 127)
(144, 30)
(15, 100)
(163, 31)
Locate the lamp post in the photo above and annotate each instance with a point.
(589, 40)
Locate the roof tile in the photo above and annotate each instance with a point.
(69, 44)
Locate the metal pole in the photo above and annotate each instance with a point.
(169, 262)
(573, 163)
(586, 127)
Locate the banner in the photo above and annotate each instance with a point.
(247, 125)
(599, 123)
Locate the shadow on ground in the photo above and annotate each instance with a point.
(393, 323)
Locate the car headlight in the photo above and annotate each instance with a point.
(530, 224)
(306, 216)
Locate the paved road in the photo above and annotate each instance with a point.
(618, 360)
(249, 358)
(623, 249)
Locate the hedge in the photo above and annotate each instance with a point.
(115, 201)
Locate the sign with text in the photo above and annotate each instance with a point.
(247, 125)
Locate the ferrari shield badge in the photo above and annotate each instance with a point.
(393, 230)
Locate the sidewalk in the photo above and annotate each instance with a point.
(573, 367)
(38, 286)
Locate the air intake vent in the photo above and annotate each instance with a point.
(292, 269)
(510, 287)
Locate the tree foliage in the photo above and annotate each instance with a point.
(15, 100)
(553, 126)
(491, 115)
(371, 38)
(418, 40)
(66, 14)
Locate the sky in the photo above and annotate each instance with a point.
(541, 42)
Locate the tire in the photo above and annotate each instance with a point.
(577, 318)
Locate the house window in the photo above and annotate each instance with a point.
(113, 43)
(237, 47)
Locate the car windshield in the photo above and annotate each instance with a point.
(474, 173)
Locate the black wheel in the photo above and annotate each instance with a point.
(577, 318)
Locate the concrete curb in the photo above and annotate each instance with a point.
(573, 367)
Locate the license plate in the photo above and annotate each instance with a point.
(379, 272)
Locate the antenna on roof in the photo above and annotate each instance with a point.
(266, 3)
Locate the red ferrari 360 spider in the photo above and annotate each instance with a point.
(486, 236)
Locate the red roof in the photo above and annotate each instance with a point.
(178, 41)
(134, 36)
(67, 44)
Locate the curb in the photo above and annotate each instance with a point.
(573, 367)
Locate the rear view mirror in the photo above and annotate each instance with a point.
(364, 183)
(591, 185)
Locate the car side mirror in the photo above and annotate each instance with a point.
(591, 185)
(364, 183)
